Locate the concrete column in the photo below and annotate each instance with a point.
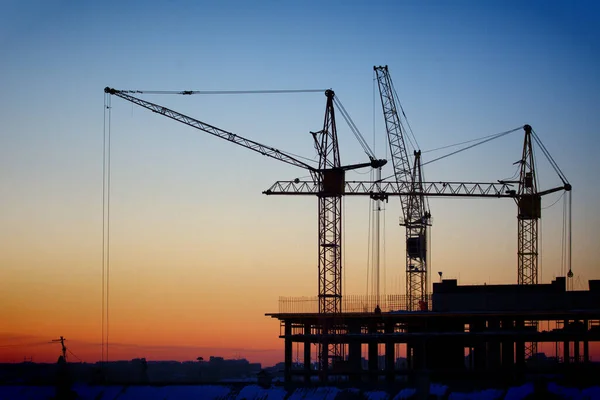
(373, 354)
(324, 350)
(390, 356)
(586, 343)
(307, 361)
(354, 354)
(493, 346)
(520, 344)
(422, 379)
(480, 346)
(288, 352)
(471, 358)
(566, 350)
(576, 354)
(423, 383)
(508, 346)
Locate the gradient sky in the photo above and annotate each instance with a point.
(198, 254)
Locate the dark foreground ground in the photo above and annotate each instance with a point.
(245, 391)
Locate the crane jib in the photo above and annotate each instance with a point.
(213, 130)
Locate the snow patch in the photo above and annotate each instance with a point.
(255, 392)
(438, 390)
(489, 394)
(564, 392)
(376, 395)
(592, 393)
(322, 393)
(519, 392)
(405, 394)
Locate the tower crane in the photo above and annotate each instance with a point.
(328, 177)
(416, 216)
(526, 196)
(529, 204)
(61, 340)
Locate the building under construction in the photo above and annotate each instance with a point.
(498, 327)
(466, 330)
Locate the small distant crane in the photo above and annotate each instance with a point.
(61, 340)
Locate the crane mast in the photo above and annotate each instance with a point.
(330, 211)
(416, 217)
(529, 213)
(416, 240)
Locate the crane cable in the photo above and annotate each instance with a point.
(397, 100)
(570, 238)
(553, 163)
(343, 111)
(566, 258)
(496, 136)
(567, 241)
(106, 168)
(481, 140)
(563, 253)
(74, 355)
(191, 92)
(361, 140)
(23, 344)
(106, 99)
(458, 144)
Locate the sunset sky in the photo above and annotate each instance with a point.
(198, 253)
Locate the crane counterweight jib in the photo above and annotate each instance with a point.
(378, 163)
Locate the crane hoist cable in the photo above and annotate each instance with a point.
(556, 201)
(106, 184)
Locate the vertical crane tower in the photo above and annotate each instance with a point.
(529, 213)
(416, 217)
(330, 211)
(529, 205)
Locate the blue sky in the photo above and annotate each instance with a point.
(463, 69)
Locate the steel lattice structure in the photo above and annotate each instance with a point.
(528, 216)
(438, 189)
(416, 242)
(330, 232)
(329, 186)
(330, 212)
(416, 217)
(367, 188)
(529, 206)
